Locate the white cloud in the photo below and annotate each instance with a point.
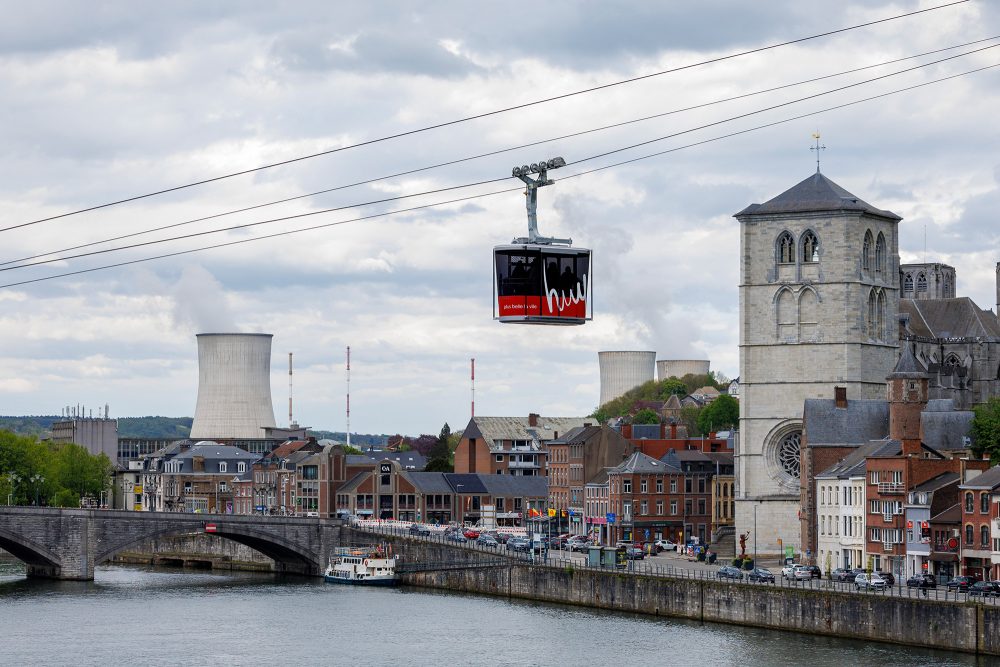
(107, 108)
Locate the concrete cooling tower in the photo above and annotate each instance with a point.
(621, 371)
(678, 368)
(234, 387)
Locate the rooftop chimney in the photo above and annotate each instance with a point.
(532, 419)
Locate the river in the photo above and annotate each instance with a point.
(138, 616)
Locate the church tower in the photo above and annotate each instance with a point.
(819, 295)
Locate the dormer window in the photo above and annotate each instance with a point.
(241, 467)
(222, 466)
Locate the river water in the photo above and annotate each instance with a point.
(136, 616)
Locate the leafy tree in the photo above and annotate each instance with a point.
(646, 416)
(423, 444)
(672, 387)
(689, 418)
(986, 430)
(439, 457)
(351, 449)
(721, 413)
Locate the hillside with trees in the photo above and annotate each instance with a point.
(46, 473)
(624, 405)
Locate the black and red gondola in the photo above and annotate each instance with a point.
(541, 280)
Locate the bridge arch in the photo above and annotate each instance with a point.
(35, 556)
(288, 556)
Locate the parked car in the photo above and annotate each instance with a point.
(666, 545)
(788, 570)
(422, 531)
(635, 553)
(871, 582)
(487, 541)
(960, 583)
(985, 589)
(582, 546)
(470, 533)
(518, 544)
(503, 537)
(759, 574)
(922, 581)
(651, 548)
(802, 573)
(840, 574)
(814, 571)
(730, 572)
(890, 578)
(456, 537)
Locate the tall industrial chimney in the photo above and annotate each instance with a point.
(234, 387)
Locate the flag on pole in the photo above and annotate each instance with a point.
(552, 512)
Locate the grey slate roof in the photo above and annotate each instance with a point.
(353, 483)
(518, 428)
(988, 479)
(935, 483)
(816, 193)
(600, 478)
(642, 463)
(465, 482)
(946, 431)
(949, 318)
(214, 453)
(853, 465)
(861, 421)
(951, 515)
(908, 365)
(428, 482)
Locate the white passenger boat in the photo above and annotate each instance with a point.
(374, 566)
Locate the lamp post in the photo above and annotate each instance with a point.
(37, 480)
(755, 564)
(14, 479)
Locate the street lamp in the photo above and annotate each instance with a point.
(755, 564)
(36, 480)
(14, 479)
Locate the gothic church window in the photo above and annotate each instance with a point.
(880, 255)
(866, 252)
(871, 314)
(921, 283)
(880, 316)
(808, 315)
(908, 286)
(786, 249)
(786, 315)
(788, 454)
(810, 248)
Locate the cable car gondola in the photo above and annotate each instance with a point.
(541, 280)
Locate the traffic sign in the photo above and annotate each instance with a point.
(209, 527)
(647, 533)
(610, 517)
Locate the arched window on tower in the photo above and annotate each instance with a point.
(880, 269)
(921, 283)
(872, 305)
(810, 248)
(908, 286)
(786, 249)
(808, 315)
(786, 316)
(866, 252)
(880, 316)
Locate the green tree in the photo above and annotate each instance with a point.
(689, 418)
(722, 413)
(986, 430)
(439, 459)
(646, 416)
(671, 387)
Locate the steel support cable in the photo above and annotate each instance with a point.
(497, 180)
(483, 115)
(492, 153)
(506, 190)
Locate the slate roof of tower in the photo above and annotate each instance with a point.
(908, 365)
(861, 421)
(949, 318)
(816, 193)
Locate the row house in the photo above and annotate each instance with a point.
(840, 511)
(979, 549)
(511, 445)
(657, 439)
(645, 499)
(391, 492)
(701, 470)
(927, 540)
(203, 478)
(273, 486)
(574, 459)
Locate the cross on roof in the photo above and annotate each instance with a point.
(817, 148)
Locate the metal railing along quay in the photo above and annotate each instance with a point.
(500, 555)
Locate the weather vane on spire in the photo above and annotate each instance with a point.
(817, 148)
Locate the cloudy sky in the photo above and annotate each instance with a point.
(108, 100)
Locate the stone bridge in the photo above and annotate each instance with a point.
(68, 543)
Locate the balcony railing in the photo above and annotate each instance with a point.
(523, 464)
(890, 488)
(888, 546)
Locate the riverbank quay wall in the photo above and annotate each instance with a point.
(955, 626)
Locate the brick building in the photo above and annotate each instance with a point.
(510, 445)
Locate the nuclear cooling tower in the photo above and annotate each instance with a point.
(678, 368)
(234, 387)
(621, 371)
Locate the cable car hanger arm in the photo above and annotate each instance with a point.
(531, 198)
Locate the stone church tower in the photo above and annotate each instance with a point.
(819, 295)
